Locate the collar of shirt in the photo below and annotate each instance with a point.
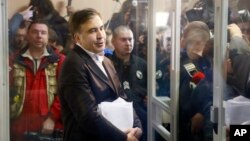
(28, 54)
(94, 56)
(97, 58)
(36, 61)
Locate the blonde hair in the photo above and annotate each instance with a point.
(199, 25)
(194, 32)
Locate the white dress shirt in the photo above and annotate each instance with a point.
(97, 58)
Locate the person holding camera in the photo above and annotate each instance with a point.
(44, 9)
(18, 28)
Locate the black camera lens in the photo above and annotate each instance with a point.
(244, 15)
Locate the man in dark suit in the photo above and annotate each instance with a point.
(87, 79)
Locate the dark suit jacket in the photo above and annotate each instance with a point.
(82, 87)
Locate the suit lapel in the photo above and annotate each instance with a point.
(110, 70)
(94, 68)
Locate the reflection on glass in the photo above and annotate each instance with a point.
(195, 91)
(163, 46)
(35, 62)
(162, 68)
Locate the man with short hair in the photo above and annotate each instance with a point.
(87, 79)
(132, 72)
(34, 104)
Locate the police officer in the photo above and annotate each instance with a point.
(132, 72)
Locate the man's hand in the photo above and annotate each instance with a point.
(197, 122)
(130, 135)
(136, 132)
(48, 126)
(234, 30)
(27, 13)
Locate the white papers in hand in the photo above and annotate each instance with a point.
(119, 113)
(237, 110)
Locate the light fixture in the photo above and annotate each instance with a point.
(134, 3)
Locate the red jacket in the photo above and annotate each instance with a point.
(39, 88)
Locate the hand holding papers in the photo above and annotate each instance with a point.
(137, 132)
(119, 113)
(237, 111)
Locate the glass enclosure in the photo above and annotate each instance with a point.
(188, 66)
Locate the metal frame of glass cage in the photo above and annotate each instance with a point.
(158, 104)
(4, 69)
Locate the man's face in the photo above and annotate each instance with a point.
(92, 35)
(37, 36)
(123, 43)
(195, 49)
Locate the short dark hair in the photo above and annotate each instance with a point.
(22, 25)
(53, 37)
(126, 6)
(81, 17)
(44, 7)
(120, 28)
(38, 21)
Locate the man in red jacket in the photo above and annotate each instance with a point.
(34, 104)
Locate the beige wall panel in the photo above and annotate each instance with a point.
(105, 7)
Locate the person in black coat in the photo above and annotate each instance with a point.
(132, 72)
(194, 38)
(87, 79)
(126, 16)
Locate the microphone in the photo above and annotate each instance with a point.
(197, 77)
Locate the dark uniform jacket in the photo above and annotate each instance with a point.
(83, 86)
(186, 90)
(133, 76)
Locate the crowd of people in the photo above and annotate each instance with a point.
(61, 70)
(196, 78)
(59, 75)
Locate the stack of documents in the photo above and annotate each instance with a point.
(237, 111)
(119, 113)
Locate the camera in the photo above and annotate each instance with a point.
(244, 15)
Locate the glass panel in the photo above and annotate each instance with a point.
(163, 37)
(4, 69)
(163, 47)
(29, 90)
(158, 137)
(34, 69)
(130, 56)
(238, 39)
(196, 71)
(237, 68)
(34, 103)
(197, 93)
